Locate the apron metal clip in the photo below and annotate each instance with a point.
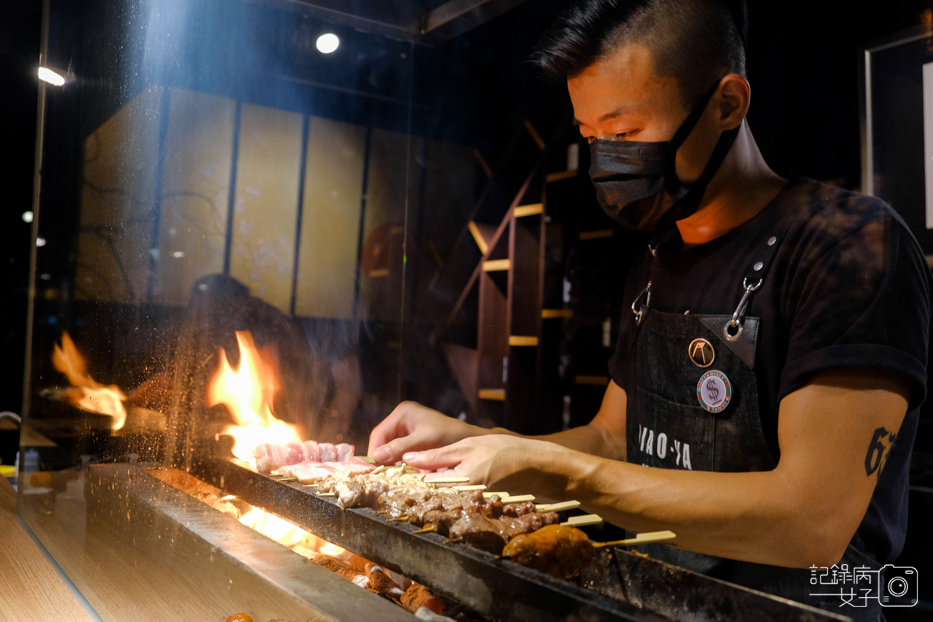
(638, 312)
(733, 329)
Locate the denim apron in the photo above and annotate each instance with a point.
(695, 406)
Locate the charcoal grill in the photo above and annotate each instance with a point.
(642, 589)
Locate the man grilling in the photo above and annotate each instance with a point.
(770, 373)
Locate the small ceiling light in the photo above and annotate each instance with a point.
(51, 76)
(327, 43)
(27, 216)
(40, 242)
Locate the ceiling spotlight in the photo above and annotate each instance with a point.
(27, 216)
(327, 43)
(55, 77)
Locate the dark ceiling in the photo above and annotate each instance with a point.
(426, 22)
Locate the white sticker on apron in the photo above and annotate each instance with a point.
(714, 391)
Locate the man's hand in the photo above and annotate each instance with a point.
(413, 427)
(513, 462)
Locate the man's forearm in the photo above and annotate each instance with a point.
(590, 439)
(754, 517)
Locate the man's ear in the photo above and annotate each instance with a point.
(734, 95)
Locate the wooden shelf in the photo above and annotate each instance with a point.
(532, 209)
(550, 314)
(496, 265)
(520, 340)
(561, 175)
(535, 135)
(478, 237)
(492, 394)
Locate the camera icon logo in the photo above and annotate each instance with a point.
(898, 586)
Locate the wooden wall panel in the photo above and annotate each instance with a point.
(195, 187)
(266, 202)
(331, 219)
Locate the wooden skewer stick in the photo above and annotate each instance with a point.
(288, 479)
(583, 521)
(518, 499)
(397, 519)
(502, 495)
(469, 488)
(327, 494)
(558, 507)
(448, 480)
(642, 538)
(432, 527)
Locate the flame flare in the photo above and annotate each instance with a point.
(248, 391)
(89, 395)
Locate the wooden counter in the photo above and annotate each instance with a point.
(30, 586)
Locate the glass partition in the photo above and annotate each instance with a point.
(226, 203)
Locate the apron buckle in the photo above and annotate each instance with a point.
(733, 329)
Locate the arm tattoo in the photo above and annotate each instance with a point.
(878, 450)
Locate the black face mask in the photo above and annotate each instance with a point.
(636, 182)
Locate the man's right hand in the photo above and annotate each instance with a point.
(413, 427)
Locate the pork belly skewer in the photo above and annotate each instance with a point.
(274, 456)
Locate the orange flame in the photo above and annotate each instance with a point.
(91, 395)
(248, 392)
(288, 534)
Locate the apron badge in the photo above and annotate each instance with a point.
(701, 353)
(714, 390)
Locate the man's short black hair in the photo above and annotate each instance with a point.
(695, 41)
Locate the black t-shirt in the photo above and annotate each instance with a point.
(848, 287)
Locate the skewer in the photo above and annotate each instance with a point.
(642, 538)
(502, 495)
(432, 527)
(518, 499)
(469, 488)
(288, 479)
(397, 519)
(583, 521)
(327, 494)
(558, 507)
(448, 480)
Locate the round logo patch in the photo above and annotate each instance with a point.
(701, 353)
(714, 391)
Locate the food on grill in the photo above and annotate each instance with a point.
(470, 517)
(418, 596)
(310, 472)
(555, 549)
(272, 456)
(309, 461)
